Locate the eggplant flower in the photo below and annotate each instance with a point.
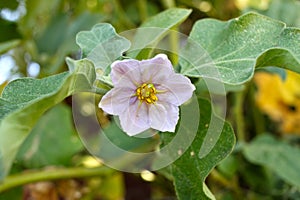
(146, 94)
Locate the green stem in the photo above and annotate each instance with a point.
(55, 174)
(142, 5)
(174, 38)
(122, 15)
(168, 3)
(230, 184)
(239, 98)
(221, 179)
(258, 118)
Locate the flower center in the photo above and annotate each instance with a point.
(146, 92)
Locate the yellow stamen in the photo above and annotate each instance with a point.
(147, 93)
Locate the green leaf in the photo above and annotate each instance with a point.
(155, 28)
(111, 187)
(12, 5)
(102, 45)
(30, 25)
(168, 18)
(116, 149)
(5, 46)
(58, 44)
(280, 157)
(190, 170)
(24, 100)
(229, 166)
(38, 151)
(119, 138)
(15, 193)
(9, 31)
(290, 8)
(108, 141)
(230, 51)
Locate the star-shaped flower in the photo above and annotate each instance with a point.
(146, 94)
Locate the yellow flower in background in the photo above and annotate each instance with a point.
(280, 99)
(258, 4)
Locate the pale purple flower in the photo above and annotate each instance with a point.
(146, 94)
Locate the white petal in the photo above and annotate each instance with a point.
(156, 70)
(176, 90)
(117, 100)
(163, 117)
(126, 71)
(135, 119)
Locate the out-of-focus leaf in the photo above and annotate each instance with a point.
(190, 171)
(284, 10)
(15, 193)
(102, 45)
(8, 31)
(155, 28)
(58, 39)
(23, 101)
(54, 35)
(51, 39)
(12, 4)
(137, 17)
(122, 140)
(275, 70)
(5, 46)
(37, 16)
(108, 141)
(257, 178)
(112, 187)
(278, 156)
(230, 51)
(229, 166)
(38, 150)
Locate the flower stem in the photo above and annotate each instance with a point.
(168, 3)
(218, 177)
(258, 118)
(174, 38)
(174, 45)
(230, 184)
(122, 15)
(142, 5)
(239, 98)
(55, 174)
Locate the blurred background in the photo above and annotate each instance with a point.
(37, 35)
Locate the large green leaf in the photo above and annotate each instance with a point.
(230, 51)
(23, 101)
(102, 45)
(156, 27)
(278, 156)
(190, 170)
(38, 150)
